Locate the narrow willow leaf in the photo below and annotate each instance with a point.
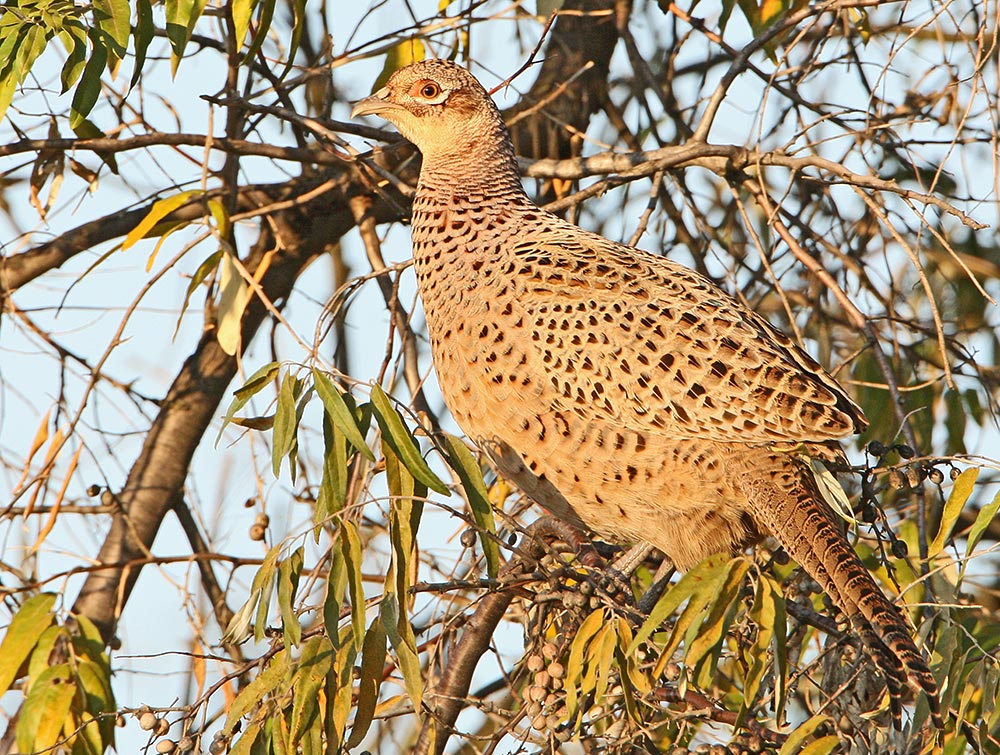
(234, 296)
(983, 519)
(289, 572)
(574, 663)
(142, 35)
(704, 639)
(669, 602)
(315, 662)
(399, 437)
(25, 629)
(112, 17)
(340, 414)
(822, 746)
(400, 54)
(40, 654)
(372, 665)
(45, 710)
(242, 11)
(960, 493)
(336, 588)
(339, 694)
(95, 679)
(265, 14)
(404, 645)
(471, 476)
(157, 214)
(350, 543)
(333, 485)
(254, 385)
(204, 270)
(793, 744)
(74, 39)
(182, 15)
(285, 424)
(253, 694)
(244, 744)
(89, 88)
(261, 590)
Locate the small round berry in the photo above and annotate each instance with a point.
(147, 720)
(166, 746)
(257, 532)
(468, 537)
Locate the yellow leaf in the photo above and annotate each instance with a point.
(960, 493)
(41, 435)
(770, 10)
(232, 302)
(161, 208)
(399, 55)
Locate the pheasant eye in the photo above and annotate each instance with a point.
(429, 90)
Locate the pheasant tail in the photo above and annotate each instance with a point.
(791, 508)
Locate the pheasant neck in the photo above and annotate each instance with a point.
(457, 175)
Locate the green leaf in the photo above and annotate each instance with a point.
(250, 388)
(793, 744)
(266, 682)
(314, 664)
(26, 628)
(289, 572)
(370, 681)
(960, 493)
(265, 14)
(704, 640)
(182, 15)
(336, 587)
(112, 18)
(983, 519)
(74, 39)
(340, 414)
(261, 590)
(471, 477)
(45, 709)
(204, 270)
(283, 438)
(244, 745)
(350, 544)
(671, 600)
(400, 633)
(89, 88)
(333, 485)
(402, 442)
(142, 35)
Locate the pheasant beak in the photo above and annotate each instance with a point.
(376, 104)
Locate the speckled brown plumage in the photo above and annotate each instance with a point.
(618, 389)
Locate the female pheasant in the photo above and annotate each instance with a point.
(621, 391)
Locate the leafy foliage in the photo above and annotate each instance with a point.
(822, 161)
